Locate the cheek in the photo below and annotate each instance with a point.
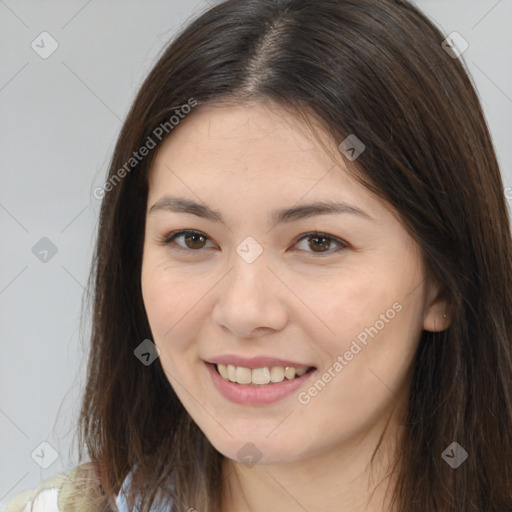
(371, 317)
(366, 362)
(159, 298)
(345, 306)
(173, 305)
(166, 301)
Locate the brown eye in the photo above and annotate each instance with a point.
(192, 240)
(319, 243)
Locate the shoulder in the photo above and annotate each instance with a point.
(73, 491)
(76, 491)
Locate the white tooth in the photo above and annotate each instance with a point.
(243, 375)
(260, 376)
(232, 373)
(289, 373)
(277, 374)
(223, 370)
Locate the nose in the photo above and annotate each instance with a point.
(250, 300)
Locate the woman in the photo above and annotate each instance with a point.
(302, 281)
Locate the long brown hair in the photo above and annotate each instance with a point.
(374, 68)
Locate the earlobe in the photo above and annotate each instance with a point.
(437, 311)
(436, 323)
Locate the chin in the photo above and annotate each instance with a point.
(257, 451)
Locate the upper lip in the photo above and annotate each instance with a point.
(256, 362)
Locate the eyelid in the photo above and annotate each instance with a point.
(341, 243)
(167, 239)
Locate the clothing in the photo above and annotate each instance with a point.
(62, 494)
(123, 506)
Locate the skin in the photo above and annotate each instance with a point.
(293, 302)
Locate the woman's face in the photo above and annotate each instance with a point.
(266, 281)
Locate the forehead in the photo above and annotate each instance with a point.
(241, 135)
(256, 151)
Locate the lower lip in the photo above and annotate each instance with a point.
(256, 395)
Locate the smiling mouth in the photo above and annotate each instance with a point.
(260, 376)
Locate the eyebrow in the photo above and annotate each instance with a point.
(279, 216)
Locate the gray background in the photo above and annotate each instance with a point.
(59, 120)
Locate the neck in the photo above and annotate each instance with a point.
(343, 478)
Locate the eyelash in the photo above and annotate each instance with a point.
(169, 239)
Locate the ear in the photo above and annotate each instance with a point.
(437, 315)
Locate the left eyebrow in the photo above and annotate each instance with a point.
(279, 216)
(318, 208)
